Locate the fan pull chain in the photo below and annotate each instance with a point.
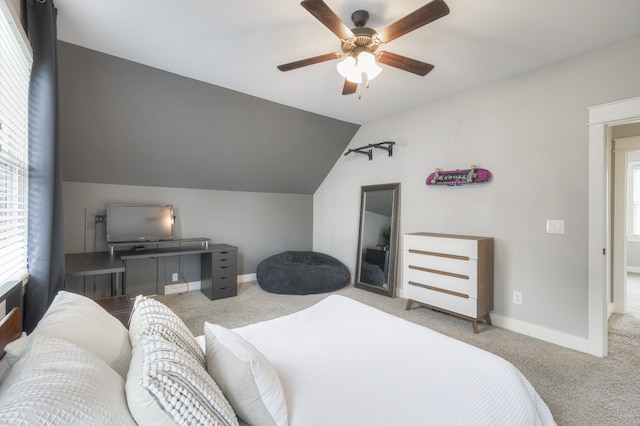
(366, 87)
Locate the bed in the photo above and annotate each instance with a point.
(339, 362)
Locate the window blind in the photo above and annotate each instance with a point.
(15, 69)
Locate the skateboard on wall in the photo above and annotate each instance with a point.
(459, 177)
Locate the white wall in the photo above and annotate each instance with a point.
(531, 132)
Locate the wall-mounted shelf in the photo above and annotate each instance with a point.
(368, 149)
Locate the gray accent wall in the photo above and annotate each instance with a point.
(130, 124)
(238, 169)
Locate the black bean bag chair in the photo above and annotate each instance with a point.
(301, 272)
(372, 274)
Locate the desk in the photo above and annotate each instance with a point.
(86, 264)
(218, 267)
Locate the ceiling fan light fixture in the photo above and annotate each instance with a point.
(367, 64)
(350, 70)
(360, 44)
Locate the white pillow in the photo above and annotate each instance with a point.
(56, 382)
(82, 321)
(4, 368)
(246, 377)
(167, 385)
(153, 318)
(14, 349)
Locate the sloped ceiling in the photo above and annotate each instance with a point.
(187, 93)
(126, 123)
(237, 44)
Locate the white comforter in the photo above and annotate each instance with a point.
(345, 363)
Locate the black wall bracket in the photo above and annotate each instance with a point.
(368, 151)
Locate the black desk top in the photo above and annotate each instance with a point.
(172, 251)
(81, 264)
(97, 263)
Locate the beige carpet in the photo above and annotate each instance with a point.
(578, 388)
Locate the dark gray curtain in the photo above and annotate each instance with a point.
(46, 236)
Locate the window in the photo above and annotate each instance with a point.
(15, 68)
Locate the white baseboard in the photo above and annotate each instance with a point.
(552, 336)
(197, 285)
(246, 278)
(522, 327)
(182, 287)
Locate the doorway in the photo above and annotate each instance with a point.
(602, 119)
(625, 214)
(633, 294)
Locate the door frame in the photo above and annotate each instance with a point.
(601, 119)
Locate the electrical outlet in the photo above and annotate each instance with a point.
(174, 277)
(517, 298)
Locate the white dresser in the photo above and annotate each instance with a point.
(449, 273)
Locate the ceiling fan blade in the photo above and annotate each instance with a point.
(309, 61)
(324, 14)
(349, 87)
(431, 11)
(404, 63)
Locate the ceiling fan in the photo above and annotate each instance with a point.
(360, 44)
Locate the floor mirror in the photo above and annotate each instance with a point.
(378, 239)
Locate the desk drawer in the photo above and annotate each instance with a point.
(224, 272)
(226, 286)
(225, 258)
(224, 292)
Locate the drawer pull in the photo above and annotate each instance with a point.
(441, 290)
(435, 271)
(432, 253)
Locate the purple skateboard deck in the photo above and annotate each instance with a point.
(459, 177)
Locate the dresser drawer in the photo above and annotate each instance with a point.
(448, 246)
(445, 282)
(467, 306)
(455, 266)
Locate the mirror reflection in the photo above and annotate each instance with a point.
(377, 244)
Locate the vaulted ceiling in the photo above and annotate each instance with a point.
(238, 44)
(187, 93)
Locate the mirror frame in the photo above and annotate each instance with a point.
(390, 289)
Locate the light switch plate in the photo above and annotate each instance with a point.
(555, 226)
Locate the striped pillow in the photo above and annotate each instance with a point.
(166, 385)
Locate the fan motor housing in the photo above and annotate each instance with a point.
(364, 37)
